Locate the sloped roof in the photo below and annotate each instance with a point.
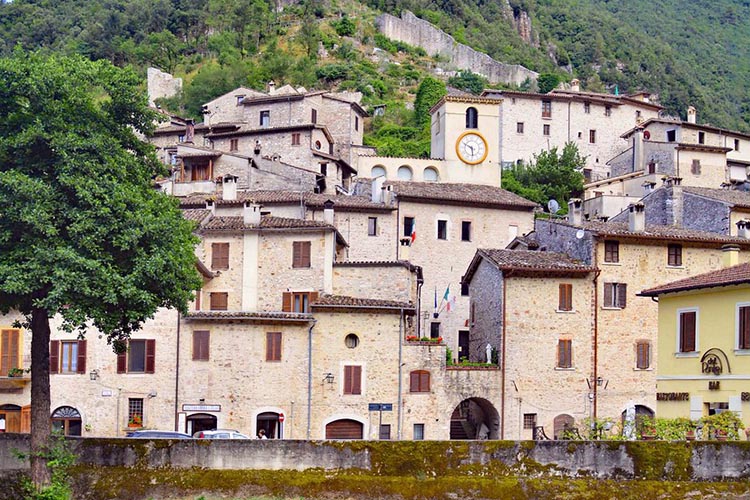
(735, 275)
(740, 199)
(269, 223)
(196, 215)
(347, 203)
(525, 262)
(459, 194)
(269, 197)
(270, 317)
(346, 302)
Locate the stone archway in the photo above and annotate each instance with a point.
(475, 418)
(67, 420)
(198, 422)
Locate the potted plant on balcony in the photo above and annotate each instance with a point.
(15, 372)
(690, 435)
(135, 421)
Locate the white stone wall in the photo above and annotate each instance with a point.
(353, 226)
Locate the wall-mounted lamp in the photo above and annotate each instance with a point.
(94, 374)
(328, 377)
(599, 381)
(152, 394)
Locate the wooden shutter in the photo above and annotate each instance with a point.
(9, 345)
(566, 297)
(414, 382)
(81, 368)
(201, 340)
(122, 361)
(286, 301)
(344, 429)
(622, 295)
(687, 331)
(565, 353)
(273, 346)
(352, 380)
(744, 340)
(608, 299)
(54, 356)
(313, 298)
(424, 381)
(219, 301)
(301, 254)
(642, 355)
(220, 256)
(150, 356)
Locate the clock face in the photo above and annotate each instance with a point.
(471, 148)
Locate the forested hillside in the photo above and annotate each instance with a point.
(688, 52)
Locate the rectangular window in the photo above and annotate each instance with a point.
(273, 346)
(314, 116)
(200, 345)
(564, 353)
(265, 118)
(701, 137)
(434, 329)
(239, 99)
(233, 144)
(687, 331)
(301, 254)
(695, 167)
(587, 107)
(139, 357)
(615, 295)
(352, 380)
(419, 381)
(546, 109)
(442, 229)
(519, 127)
(10, 350)
(466, 230)
(545, 129)
(408, 226)
(219, 255)
(671, 135)
(566, 297)
(736, 144)
(608, 111)
(592, 136)
(296, 139)
(135, 412)
(298, 302)
(356, 123)
(611, 251)
(418, 432)
(67, 356)
(643, 355)
(529, 420)
(464, 289)
(743, 327)
(219, 301)
(674, 255)
(372, 226)
(385, 431)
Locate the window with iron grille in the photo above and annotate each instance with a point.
(529, 420)
(135, 412)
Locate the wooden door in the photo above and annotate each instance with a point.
(344, 429)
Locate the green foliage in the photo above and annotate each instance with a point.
(550, 175)
(726, 423)
(59, 459)
(332, 72)
(448, 356)
(600, 429)
(430, 91)
(468, 82)
(547, 82)
(344, 27)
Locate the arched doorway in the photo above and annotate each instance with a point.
(67, 420)
(10, 418)
(269, 422)
(198, 422)
(345, 429)
(562, 423)
(475, 418)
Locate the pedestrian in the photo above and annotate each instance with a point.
(262, 434)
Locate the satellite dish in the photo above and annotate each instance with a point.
(580, 233)
(553, 206)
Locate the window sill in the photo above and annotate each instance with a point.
(649, 369)
(676, 267)
(693, 354)
(611, 308)
(611, 263)
(565, 311)
(560, 369)
(742, 352)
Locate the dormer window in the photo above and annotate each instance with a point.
(472, 118)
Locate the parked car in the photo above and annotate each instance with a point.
(220, 434)
(152, 434)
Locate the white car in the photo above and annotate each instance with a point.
(219, 434)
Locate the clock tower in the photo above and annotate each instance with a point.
(465, 134)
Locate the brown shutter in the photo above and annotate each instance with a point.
(5, 352)
(306, 253)
(347, 380)
(273, 346)
(414, 382)
(219, 301)
(565, 354)
(196, 345)
(566, 297)
(54, 356)
(296, 254)
(201, 341)
(642, 355)
(150, 356)
(198, 299)
(356, 380)
(220, 256)
(313, 298)
(608, 302)
(687, 332)
(424, 382)
(622, 295)
(81, 356)
(744, 339)
(122, 361)
(286, 301)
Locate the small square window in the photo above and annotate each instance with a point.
(296, 139)
(442, 229)
(372, 226)
(608, 111)
(418, 432)
(233, 144)
(674, 255)
(135, 412)
(611, 251)
(466, 230)
(545, 129)
(434, 330)
(218, 301)
(671, 135)
(529, 420)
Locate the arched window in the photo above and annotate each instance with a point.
(430, 174)
(472, 118)
(67, 420)
(404, 173)
(201, 422)
(419, 381)
(561, 424)
(377, 171)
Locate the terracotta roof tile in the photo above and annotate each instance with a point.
(656, 232)
(266, 222)
(733, 197)
(245, 315)
(343, 301)
(260, 196)
(734, 275)
(529, 260)
(346, 203)
(196, 214)
(463, 194)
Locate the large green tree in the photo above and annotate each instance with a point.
(83, 234)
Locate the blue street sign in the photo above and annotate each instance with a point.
(380, 407)
(373, 407)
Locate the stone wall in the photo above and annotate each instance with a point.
(161, 84)
(418, 32)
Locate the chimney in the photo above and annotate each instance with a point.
(271, 87)
(691, 114)
(648, 187)
(328, 212)
(251, 213)
(743, 229)
(404, 251)
(211, 206)
(376, 188)
(388, 195)
(731, 256)
(638, 150)
(230, 188)
(575, 85)
(189, 130)
(636, 218)
(575, 211)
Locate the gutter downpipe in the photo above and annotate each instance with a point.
(309, 376)
(400, 373)
(502, 372)
(177, 379)
(596, 339)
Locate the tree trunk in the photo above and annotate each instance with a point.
(41, 425)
